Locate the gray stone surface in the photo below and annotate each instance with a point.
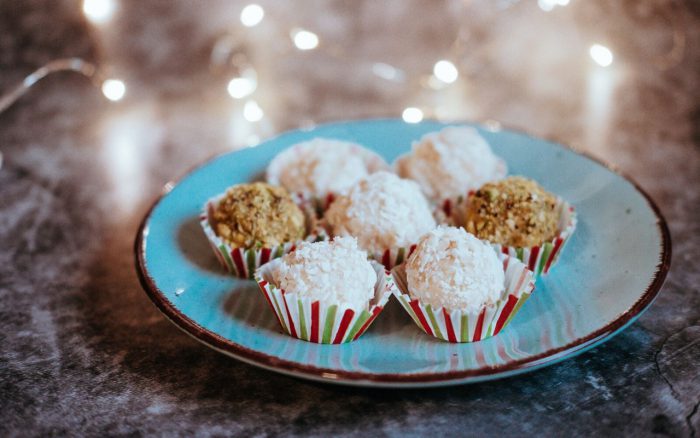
(84, 352)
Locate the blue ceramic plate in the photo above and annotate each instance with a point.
(608, 274)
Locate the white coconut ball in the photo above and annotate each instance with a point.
(451, 162)
(322, 166)
(383, 211)
(335, 272)
(453, 269)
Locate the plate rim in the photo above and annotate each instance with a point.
(357, 378)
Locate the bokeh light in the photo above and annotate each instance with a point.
(252, 111)
(304, 39)
(601, 55)
(445, 71)
(412, 115)
(113, 89)
(252, 15)
(99, 11)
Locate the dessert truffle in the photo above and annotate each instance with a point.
(450, 268)
(258, 215)
(451, 162)
(322, 166)
(515, 211)
(383, 211)
(333, 272)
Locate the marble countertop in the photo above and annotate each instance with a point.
(84, 352)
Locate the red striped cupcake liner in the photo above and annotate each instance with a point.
(320, 201)
(393, 257)
(323, 322)
(242, 262)
(459, 326)
(540, 258)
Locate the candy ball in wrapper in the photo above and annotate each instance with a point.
(385, 213)
(515, 212)
(519, 218)
(325, 292)
(450, 163)
(336, 271)
(453, 269)
(321, 168)
(258, 214)
(458, 289)
(253, 223)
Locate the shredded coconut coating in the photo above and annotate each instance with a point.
(451, 162)
(514, 212)
(335, 272)
(383, 211)
(450, 268)
(258, 215)
(322, 166)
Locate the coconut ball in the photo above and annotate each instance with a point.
(322, 166)
(258, 215)
(335, 272)
(451, 162)
(515, 211)
(450, 268)
(383, 211)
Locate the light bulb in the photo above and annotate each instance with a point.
(113, 89)
(601, 55)
(304, 39)
(412, 115)
(252, 15)
(445, 71)
(98, 11)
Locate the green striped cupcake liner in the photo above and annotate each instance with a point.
(540, 258)
(393, 257)
(458, 326)
(242, 262)
(323, 322)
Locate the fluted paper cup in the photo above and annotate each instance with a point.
(460, 326)
(318, 321)
(392, 257)
(539, 258)
(242, 262)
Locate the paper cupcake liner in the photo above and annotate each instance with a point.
(459, 326)
(323, 322)
(242, 262)
(393, 257)
(320, 202)
(540, 258)
(316, 204)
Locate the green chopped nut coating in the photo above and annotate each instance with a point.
(258, 215)
(514, 211)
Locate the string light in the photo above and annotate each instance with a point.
(113, 89)
(412, 115)
(244, 85)
(388, 72)
(252, 111)
(548, 5)
(98, 11)
(445, 71)
(601, 55)
(252, 15)
(304, 39)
